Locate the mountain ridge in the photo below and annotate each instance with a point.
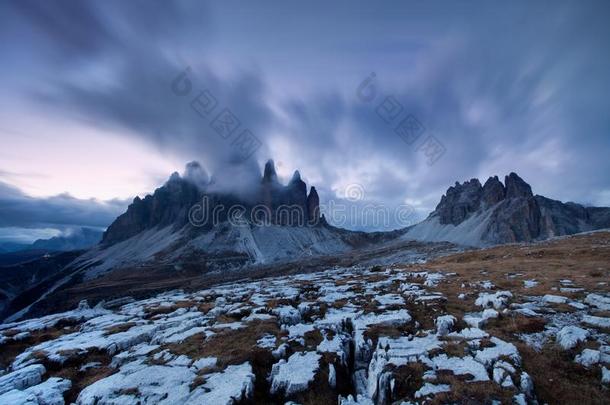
(172, 204)
(494, 213)
(158, 231)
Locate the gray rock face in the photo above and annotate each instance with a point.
(269, 174)
(459, 202)
(22, 378)
(516, 187)
(514, 220)
(493, 192)
(168, 205)
(313, 206)
(514, 213)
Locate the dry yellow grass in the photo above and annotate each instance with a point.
(583, 259)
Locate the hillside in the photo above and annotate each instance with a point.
(520, 323)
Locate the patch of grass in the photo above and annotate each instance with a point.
(11, 349)
(409, 378)
(560, 380)
(375, 278)
(274, 303)
(70, 370)
(470, 392)
(205, 307)
(339, 303)
(599, 312)
(424, 314)
(313, 338)
(229, 346)
(10, 332)
(375, 331)
(581, 258)
(163, 310)
(507, 327)
(456, 349)
(320, 392)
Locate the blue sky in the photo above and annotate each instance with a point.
(88, 119)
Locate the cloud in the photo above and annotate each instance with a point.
(57, 212)
(504, 88)
(498, 98)
(124, 62)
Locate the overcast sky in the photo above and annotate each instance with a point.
(88, 117)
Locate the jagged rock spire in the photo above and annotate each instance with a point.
(269, 174)
(296, 177)
(493, 191)
(313, 206)
(196, 174)
(171, 204)
(297, 192)
(516, 187)
(459, 202)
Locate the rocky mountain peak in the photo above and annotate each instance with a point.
(313, 205)
(174, 177)
(459, 202)
(170, 204)
(297, 190)
(269, 174)
(464, 199)
(493, 191)
(296, 177)
(516, 187)
(505, 213)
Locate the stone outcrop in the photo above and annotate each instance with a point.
(459, 202)
(516, 187)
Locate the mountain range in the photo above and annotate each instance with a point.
(76, 239)
(186, 227)
(189, 222)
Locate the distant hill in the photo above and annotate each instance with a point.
(7, 247)
(20, 256)
(82, 238)
(78, 239)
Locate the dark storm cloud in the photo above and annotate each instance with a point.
(524, 92)
(59, 212)
(76, 29)
(512, 87)
(142, 102)
(140, 48)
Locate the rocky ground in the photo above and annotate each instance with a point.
(519, 323)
